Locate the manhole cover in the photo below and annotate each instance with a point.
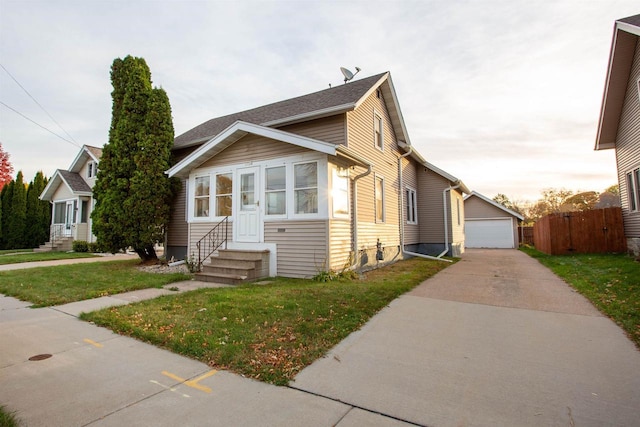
(39, 357)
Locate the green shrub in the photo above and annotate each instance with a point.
(93, 247)
(80, 246)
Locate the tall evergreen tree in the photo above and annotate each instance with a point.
(131, 191)
(16, 223)
(5, 199)
(37, 231)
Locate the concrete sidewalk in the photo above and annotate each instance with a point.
(494, 340)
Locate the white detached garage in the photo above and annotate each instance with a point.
(488, 224)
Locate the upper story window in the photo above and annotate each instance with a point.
(379, 198)
(224, 192)
(276, 190)
(202, 196)
(92, 169)
(412, 208)
(305, 188)
(377, 131)
(633, 189)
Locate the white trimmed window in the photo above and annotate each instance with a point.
(412, 207)
(633, 189)
(224, 192)
(276, 190)
(201, 209)
(377, 131)
(305, 188)
(379, 198)
(92, 169)
(340, 192)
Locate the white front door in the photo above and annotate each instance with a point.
(68, 219)
(248, 219)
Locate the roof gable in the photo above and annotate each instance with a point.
(626, 32)
(240, 129)
(86, 153)
(452, 179)
(494, 204)
(324, 103)
(72, 180)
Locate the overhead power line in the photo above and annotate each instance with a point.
(39, 105)
(38, 124)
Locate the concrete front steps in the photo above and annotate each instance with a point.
(232, 266)
(62, 244)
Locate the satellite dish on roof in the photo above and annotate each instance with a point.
(348, 75)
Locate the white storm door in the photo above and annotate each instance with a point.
(248, 219)
(68, 218)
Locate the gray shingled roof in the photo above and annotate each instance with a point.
(75, 181)
(97, 152)
(325, 99)
(633, 20)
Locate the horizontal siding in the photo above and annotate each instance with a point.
(84, 173)
(329, 129)
(457, 227)
(410, 170)
(628, 146)
(178, 229)
(301, 246)
(430, 207)
(361, 140)
(62, 192)
(197, 230)
(340, 244)
(475, 207)
(253, 148)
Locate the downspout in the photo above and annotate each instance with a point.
(401, 216)
(446, 224)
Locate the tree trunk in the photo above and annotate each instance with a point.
(147, 253)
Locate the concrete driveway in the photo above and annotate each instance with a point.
(494, 340)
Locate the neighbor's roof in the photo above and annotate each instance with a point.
(72, 180)
(626, 32)
(315, 105)
(494, 203)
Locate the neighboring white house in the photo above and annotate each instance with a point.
(619, 123)
(488, 224)
(70, 193)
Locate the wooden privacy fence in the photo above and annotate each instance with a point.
(526, 235)
(594, 231)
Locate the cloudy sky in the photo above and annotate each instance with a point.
(504, 95)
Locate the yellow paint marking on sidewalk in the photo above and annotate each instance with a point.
(93, 343)
(192, 383)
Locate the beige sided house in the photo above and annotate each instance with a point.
(70, 193)
(619, 123)
(324, 181)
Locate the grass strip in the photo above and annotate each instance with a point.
(267, 332)
(46, 286)
(610, 281)
(17, 258)
(8, 418)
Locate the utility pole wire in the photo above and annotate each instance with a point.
(37, 103)
(38, 124)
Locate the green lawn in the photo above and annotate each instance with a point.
(7, 418)
(610, 281)
(46, 286)
(270, 331)
(13, 251)
(16, 257)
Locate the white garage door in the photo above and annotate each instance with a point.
(488, 233)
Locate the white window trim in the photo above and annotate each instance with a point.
(375, 200)
(377, 117)
(192, 199)
(92, 169)
(287, 190)
(214, 205)
(292, 193)
(633, 189)
(411, 204)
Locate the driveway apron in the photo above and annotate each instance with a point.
(495, 339)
